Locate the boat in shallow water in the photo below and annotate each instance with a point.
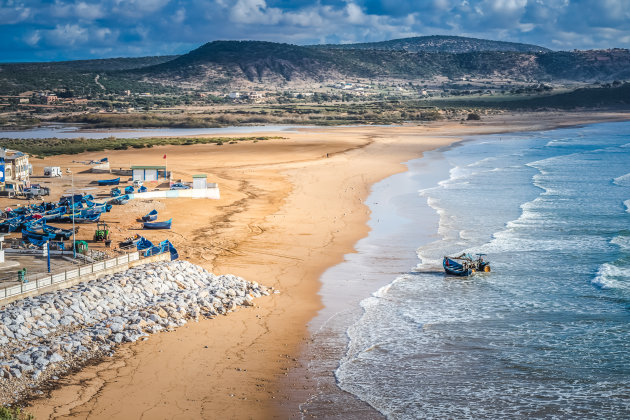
(465, 265)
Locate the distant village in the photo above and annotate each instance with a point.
(343, 90)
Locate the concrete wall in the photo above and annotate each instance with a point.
(212, 193)
(76, 275)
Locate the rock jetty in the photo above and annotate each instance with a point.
(46, 336)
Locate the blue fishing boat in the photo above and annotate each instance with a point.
(38, 235)
(88, 219)
(465, 265)
(142, 189)
(171, 249)
(57, 210)
(11, 225)
(115, 192)
(143, 243)
(162, 247)
(130, 242)
(102, 207)
(69, 200)
(158, 225)
(150, 216)
(37, 241)
(114, 181)
(123, 199)
(63, 234)
(79, 217)
(129, 189)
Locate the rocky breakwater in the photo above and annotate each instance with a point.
(49, 335)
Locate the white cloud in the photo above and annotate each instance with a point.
(67, 35)
(155, 26)
(33, 38)
(11, 13)
(132, 7)
(88, 11)
(180, 16)
(355, 14)
(255, 11)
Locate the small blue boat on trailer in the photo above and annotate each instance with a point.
(465, 265)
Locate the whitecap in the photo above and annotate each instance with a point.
(622, 181)
(610, 276)
(622, 242)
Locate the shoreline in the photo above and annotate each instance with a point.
(273, 203)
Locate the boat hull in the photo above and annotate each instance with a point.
(115, 181)
(158, 225)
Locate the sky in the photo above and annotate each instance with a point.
(52, 30)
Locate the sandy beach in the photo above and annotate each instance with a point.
(289, 209)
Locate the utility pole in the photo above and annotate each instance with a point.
(74, 245)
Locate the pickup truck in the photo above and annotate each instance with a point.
(36, 191)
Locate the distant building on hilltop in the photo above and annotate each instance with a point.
(255, 96)
(49, 99)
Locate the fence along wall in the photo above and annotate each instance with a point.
(76, 275)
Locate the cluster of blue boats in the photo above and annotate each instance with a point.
(119, 198)
(147, 248)
(33, 220)
(150, 223)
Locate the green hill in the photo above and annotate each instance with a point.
(224, 62)
(221, 65)
(440, 44)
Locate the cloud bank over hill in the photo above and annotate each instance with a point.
(41, 30)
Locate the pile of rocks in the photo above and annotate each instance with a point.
(50, 334)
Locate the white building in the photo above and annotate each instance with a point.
(17, 170)
(200, 182)
(149, 173)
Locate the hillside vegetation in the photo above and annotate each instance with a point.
(224, 62)
(440, 44)
(221, 65)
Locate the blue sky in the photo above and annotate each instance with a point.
(44, 30)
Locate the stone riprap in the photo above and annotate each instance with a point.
(48, 335)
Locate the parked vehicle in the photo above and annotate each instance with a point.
(36, 190)
(52, 171)
(179, 186)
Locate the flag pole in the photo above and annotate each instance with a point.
(166, 171)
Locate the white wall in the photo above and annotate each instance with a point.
(212, 193)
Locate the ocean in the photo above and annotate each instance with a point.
(545, 334)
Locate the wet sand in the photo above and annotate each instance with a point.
(289, 209)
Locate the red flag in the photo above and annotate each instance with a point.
(164, 156)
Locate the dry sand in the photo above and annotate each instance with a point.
(287, 212)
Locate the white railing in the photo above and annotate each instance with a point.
(84, 270)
